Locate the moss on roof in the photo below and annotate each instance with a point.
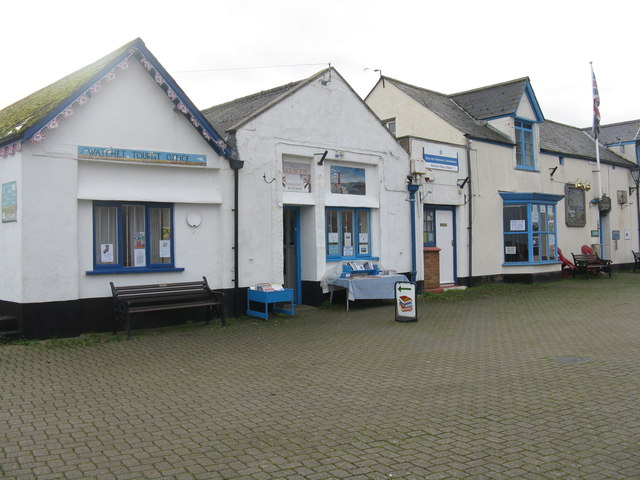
(28, 112)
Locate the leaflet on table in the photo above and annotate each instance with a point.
(268, 287)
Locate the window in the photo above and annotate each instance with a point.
(348, 233)
(529, 226)
(524, 145)
(391, 126)
(132, 236)
(429, 230)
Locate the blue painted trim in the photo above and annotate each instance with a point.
(298, 288)
(527, 169)
(528, 90)
(520, 264)
(516, 197)
(114, 271)
(492, 142)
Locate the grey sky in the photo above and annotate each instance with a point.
(447, 46)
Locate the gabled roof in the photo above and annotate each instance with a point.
(227, 117)
(31, 117)
(443, 106)
(564, 140)
(617, 133)
(498, 100)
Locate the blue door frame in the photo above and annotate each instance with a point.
(297, 287)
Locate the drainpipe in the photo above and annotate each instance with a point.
(470, 210)
(236, 165)
(413, 188)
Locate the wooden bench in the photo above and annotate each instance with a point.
(164, 296)
(590, 264)
(636, 260)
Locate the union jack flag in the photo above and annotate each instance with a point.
(595, 130)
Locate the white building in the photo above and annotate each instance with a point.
(505, 187)
(323, 182)
(110, 174)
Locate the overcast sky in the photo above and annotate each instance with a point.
(211, 48)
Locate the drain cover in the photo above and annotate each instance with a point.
(569, 360)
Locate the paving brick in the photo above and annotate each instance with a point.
(541, 383)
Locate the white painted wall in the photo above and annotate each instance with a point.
(314, 119)
(11, 234)
(57, 191)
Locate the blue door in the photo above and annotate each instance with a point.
(291, 236)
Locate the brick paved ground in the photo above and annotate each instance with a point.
(536, 385)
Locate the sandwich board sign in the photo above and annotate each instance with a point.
(406, 308)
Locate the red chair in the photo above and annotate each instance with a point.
(587, 250)
(567, 266)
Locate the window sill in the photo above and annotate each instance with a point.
(520, 264)
(527, 169)
(118, 271)
(340, 259)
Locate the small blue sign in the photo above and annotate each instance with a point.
(145, 156)
(440, 162)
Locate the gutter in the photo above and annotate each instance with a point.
(470, 209)
(236, 165)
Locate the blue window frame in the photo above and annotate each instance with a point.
(132, 237)
(429, 227)
(348, 233)
(529, 226)
(525, 152)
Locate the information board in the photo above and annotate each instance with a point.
(406, 307)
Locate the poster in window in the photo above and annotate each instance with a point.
(363, 238)
(334, 237)
(510, 250)
(574, 206)
(347, 239)
(334, 249)
(9, 202)
(517, 225)
(106, 252)
(347, 251)
(363, 249)
(166, 233)
(165, 248)
(138, 240)
(139, 257)
(534, 218)
(296, 177)
(348, 180)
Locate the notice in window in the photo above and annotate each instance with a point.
(510, 250)
(347, 239)
(106, 252)
(165, 248)
(363, 238)
(139, 259)
(363, 249)
(334, 237)
(347, 251)
(517, 225)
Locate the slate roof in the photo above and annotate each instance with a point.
(493, 101)
(227, 117)
(20, 121)
(447, 109)
(557, 138)
(616, 133)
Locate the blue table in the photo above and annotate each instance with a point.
(266, 298)
(369, 287)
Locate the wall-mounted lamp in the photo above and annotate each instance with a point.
(324, 155)
(462, 182)
(553, 170)
(635, 174)
(582, 186)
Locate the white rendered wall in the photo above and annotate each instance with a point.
(314, 119)
(129, 112)
(11, 283)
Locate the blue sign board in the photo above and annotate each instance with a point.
(146, 156)
(440, 162)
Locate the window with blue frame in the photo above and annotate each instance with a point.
(529, 225)
(348, 233)
(525, 156)
(429, 227)
(132, 236)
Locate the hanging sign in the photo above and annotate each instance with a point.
(144, 156)
(405, 294)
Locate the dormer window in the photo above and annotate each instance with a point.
(525, 157)
(390, 125)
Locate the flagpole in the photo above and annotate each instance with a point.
(595, 132)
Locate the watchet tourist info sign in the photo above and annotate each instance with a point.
(406, 308)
